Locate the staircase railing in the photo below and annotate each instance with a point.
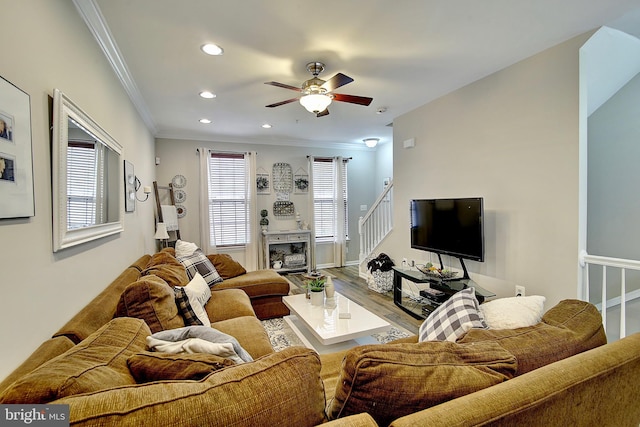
(624, 297)
(377, 223)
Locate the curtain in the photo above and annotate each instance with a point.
(339, 242)
(252, 246)
(207, 246)
(311, 209)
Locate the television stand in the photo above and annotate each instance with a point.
(407, 295)
(465, 275)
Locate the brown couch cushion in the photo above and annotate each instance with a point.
(281, 388)
(150, 298)
(257, 283)
(164, 265)
(391, 380)
(151, 366)
(97, 363)
(226, 266)
(48, 350)
(568, 328)
(249, 332)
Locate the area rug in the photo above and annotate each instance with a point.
(282, 336)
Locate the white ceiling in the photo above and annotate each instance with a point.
(402, 53)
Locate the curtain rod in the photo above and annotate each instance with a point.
(225, 151)
(324, 157)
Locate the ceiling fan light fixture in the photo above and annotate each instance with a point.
(212, 49)
(315, 103)
(371, 142)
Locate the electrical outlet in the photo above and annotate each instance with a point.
(520, 291)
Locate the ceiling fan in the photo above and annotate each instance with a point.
(317, 94)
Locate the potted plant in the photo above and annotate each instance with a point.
(316, 288)
(264, 221)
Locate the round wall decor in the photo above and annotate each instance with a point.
(179, 181)
(181, 210)
(180, 196)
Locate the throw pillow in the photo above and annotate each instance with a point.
(97, 363)
(164, 265)
(514, 312)
(150, 366)
(191, 300)
(150, 298)
(199, 263)
(389, 381)
(227, 267)
(453, 318)
(185, 248)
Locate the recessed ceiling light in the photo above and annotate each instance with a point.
(208, 95)
(371, 142)
(205, 121)
(212, 49)
(266, 126)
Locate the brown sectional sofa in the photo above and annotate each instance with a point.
(558, 372)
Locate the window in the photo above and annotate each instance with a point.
(228, 199)
(82, 177)
(327, 198)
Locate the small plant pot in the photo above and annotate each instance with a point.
(317, 298)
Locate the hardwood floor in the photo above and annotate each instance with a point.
(348, 283)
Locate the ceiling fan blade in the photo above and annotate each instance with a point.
(277, 104)
(336, 81)
(323, 113)
(284, 86)
(361, 100)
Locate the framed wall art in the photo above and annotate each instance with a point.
(16, 157)
(263, 181)
(301, 181)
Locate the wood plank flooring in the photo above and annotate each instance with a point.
(347, 282)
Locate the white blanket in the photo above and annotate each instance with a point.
(198, 339)
(194, 345)
(170, 217)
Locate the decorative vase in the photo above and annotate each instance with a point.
(329, 289)
(317, 298)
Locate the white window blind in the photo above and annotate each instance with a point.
(81, 184)
(325, 200)
(228, 210)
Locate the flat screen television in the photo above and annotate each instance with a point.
(449, 227)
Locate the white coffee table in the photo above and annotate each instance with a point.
(323, 329)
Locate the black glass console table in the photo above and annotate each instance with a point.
(409, 297)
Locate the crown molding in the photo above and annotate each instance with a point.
(92, 16)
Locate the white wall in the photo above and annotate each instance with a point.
(511, 138)
(46, 46)
(180, 157)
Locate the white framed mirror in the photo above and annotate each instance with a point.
(88, 189)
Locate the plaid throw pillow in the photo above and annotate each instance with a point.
(453, 318)
(185, 308)
(199, 263)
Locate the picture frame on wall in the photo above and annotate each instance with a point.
(16, 153)
(263, 181)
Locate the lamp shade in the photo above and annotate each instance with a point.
(161, 231)
(315, 103)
